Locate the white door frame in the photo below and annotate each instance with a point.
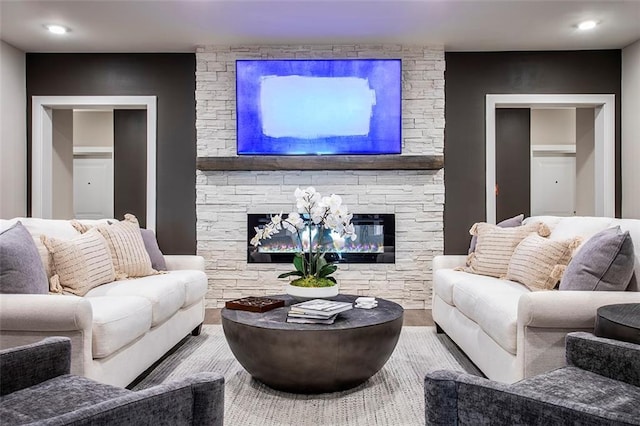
(42, 145)
(604, 132)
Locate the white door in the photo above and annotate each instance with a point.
(553, 184)
(92, 187)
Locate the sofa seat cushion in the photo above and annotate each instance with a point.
(118, 321)
(445, 280)
(493, 305)
(54, 397)
(194, 282)
(164, 293)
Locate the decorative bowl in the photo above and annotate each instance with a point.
(306, 293)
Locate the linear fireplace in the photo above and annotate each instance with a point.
(375, 242)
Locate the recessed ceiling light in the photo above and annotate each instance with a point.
(57, 29)
(587, 25)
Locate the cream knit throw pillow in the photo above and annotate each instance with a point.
(539, 262)
(495, 245)
(79, 264)
(129, 256)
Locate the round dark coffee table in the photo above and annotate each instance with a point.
(313, 358)
(619, 322)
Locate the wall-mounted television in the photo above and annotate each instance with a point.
(319, 107)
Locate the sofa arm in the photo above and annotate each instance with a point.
(44, 312)
(448, 261)
(28, 318)
(177, 262)
(567, 309)
(24, 366)
(460, 399)
(208, 402)
(441, 398)
(607, 357)
(456, 398)
(194, 400)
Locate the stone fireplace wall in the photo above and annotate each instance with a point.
(224, 198)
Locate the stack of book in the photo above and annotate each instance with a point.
(317, 311)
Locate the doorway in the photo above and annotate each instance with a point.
(93, 180)
(42, 143)
(562, 161)
(603, 118)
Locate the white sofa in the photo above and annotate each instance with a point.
(117, 330)
(510, 332)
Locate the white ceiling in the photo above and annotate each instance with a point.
(181, 25)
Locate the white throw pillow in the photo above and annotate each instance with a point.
(128, 253)
(539, 262)
(79, 264)
(495, 246)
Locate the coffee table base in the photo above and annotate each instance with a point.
(312, 361)
(315, 360)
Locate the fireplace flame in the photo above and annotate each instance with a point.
(269, 247)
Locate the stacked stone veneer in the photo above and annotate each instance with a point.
(416, 197)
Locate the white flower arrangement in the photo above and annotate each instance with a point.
(313, 210)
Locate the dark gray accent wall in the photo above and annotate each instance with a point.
(170, 77)
(513, 162)
(130, 163)
(471, 76)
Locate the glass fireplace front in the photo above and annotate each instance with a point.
(375, 242)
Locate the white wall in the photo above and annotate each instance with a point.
(62, 164)
(553, 126)
(631, 131)
(416, 197)
(93, 128)
(13, 133)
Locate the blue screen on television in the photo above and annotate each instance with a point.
(318, 107)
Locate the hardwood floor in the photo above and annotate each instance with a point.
(212, 316)
(412, 317)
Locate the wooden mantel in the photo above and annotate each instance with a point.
(322, 162)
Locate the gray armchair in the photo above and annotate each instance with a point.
(599, 386)
(36, 388)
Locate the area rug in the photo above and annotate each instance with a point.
(394, 396)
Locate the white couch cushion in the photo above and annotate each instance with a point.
(633, 226)
(563, 228)
(493, 305)
(161, 290)
(444, 280)
(118, 321)
(194, 282)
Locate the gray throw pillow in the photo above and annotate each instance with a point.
(21, 269)
(604, 263)
(512, 222)
(151, 245)
(633, 284)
